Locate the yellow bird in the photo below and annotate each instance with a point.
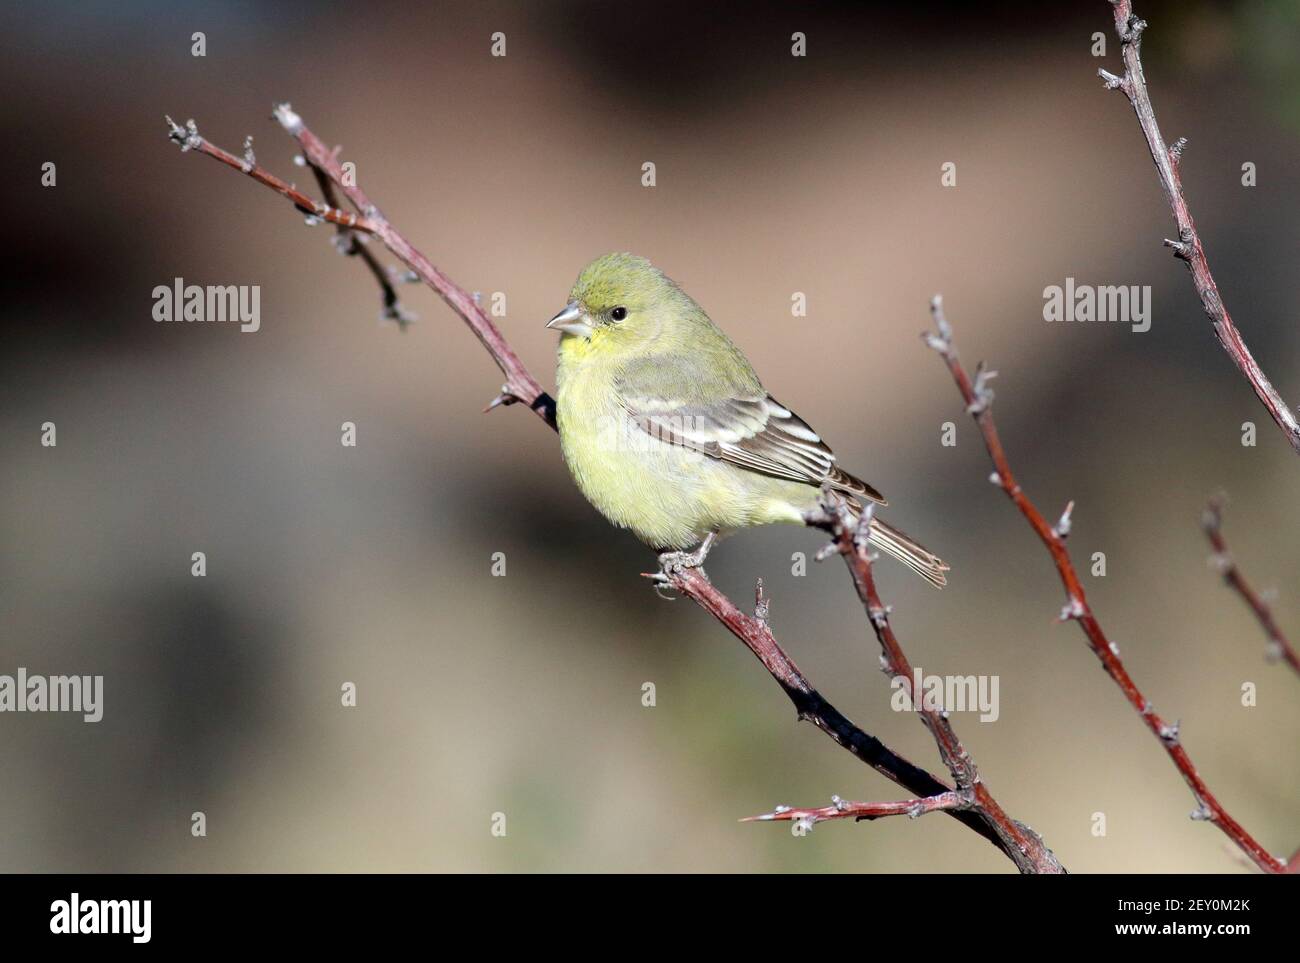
(668, 431)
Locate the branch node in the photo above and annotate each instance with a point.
(1113, 82)
(1062, 528)
(398, 315)
(862, 531)
(1212, 515)
(942, 341)
(1073, 609)
(1185, 246)
(981, 390)
(1221, 562)
(879, 615)
(187, 137)
(1132, 34)
(1169, 733)
(504, 398)
(287, 118)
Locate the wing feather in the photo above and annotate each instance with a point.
(755, 432)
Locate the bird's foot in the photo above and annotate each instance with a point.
(672, 564)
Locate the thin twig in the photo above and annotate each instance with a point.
(851, 540)
(189, 140)
(350, 243)
(846, 809)
(521, 386)
(979, 399)
(1188, 246)
(1279, 646)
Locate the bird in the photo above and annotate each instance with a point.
(667, 430)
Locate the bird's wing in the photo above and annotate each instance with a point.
(751, 429)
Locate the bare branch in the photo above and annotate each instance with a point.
(350, 244)
(851, 540)
(845, 809)
(1188, 247)
(1077, 607)
(1279, 646)
(808, 702)
(520, 385)
(189, 140)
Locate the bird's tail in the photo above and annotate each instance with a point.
(909, 551)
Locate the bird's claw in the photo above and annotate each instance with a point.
(672, 564)
(660, 590)
(662, 580)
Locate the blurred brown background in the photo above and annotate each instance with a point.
(522, 694)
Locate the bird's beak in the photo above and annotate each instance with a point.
(571, 321)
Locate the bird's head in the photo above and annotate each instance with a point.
(621, 299)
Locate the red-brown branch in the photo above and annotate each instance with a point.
(1279, 646)
(979, 398)
(188, 138)
(809, 704)
(1188, 246)
(845, 809)
(351, 243)
(1026, 848)
(521, 386)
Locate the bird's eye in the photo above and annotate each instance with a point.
(619, 313)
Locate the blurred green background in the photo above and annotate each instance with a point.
(522, 694)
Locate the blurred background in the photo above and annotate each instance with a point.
(522, 694)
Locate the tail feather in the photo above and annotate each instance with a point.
(909, 551)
